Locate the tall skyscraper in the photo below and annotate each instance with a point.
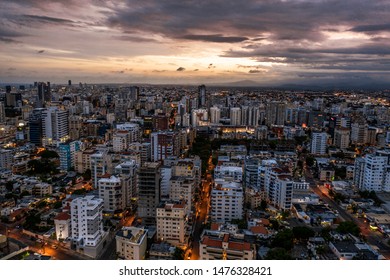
(215, 115)
(44, 94)
(235, 116)
(276, 113)
(55, 126)
(148, 192)
(36, 128)
(202, 96)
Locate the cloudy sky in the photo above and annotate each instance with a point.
(153, 41)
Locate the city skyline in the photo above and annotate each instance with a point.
(262, 42)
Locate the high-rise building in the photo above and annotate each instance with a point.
(44, 94)
(172, 222)
(227, 199)
(55, 126)
(279, 188)
(202, 96)
(112, 193)
(127, 171)
(372, 172)
(342, 137)
(87, 224)
(215, 115)
(148, 192)
(182, 188)
(6, 159)
(319, 143)
(67, 153)
(275, 113)
(2, 112)
(235, 116)
(99, 166)
(164, 144)
(359, 132)
(36, 127)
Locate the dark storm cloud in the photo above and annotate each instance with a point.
(371, 28)
(135, 39)
(214, 38)
(280, 20)
(41, 51)
(45, 19)
(180, 69)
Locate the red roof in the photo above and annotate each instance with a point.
(63, 216)
(226, 237)
(215, 226)
(239, 246)
(212, 242)
(259, 230)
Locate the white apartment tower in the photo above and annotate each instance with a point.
(172, 222)
(87, 221)
(318, 143)
(112, 193)
(227, 199)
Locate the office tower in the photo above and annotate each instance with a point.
(75, 127)
(148, 192)
(275, 113)
(202, 96)
(172, 222)
(67, 153)
(44, 94)
(235, 116)
(87, 224)
(342, 137)
(69, 82)
(359, 132)
(55, 126)
(319, 143)
(35, 123)
(131, 243)
(227, 201)
(112, 193)
(215, 115)
(316, 119)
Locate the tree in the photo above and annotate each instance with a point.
(348, 227)
(178, 254)
(310, 161)
(274, 224)
(9, 186)
(57, 205)
(87, 175)
(284, 239)
(47, 154)
(278, 254)
(303, 233)
(242, 223)
(263, 204)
